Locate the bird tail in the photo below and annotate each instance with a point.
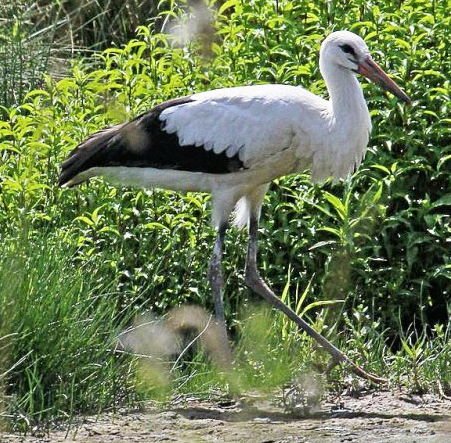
(75, 169)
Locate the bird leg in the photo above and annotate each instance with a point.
(215, 274)
(217, 284)
(257, 284)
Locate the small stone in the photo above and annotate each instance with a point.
(262, 420)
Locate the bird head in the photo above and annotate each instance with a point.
(348, 51)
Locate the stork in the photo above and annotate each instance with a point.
(233, 142)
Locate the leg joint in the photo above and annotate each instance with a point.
(251, 278)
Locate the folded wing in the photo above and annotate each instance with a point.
(217, 132)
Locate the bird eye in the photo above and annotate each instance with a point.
(348, 49)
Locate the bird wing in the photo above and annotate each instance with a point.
(253, 122)
(218, 132)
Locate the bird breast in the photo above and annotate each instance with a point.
(338, 151)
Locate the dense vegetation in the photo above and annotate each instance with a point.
(77, 265)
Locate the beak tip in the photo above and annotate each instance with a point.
(370, 69)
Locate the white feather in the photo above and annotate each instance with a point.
(257, 121)
(241, 213)
(260, 122)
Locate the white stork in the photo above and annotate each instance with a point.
(233, 142)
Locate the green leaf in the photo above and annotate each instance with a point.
(336, 204)
(442, 201)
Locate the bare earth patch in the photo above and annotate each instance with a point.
(374, 417)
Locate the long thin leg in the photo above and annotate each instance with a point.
(215, 274)
(217, 285)
(257, 284)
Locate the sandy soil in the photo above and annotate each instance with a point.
(374, 417)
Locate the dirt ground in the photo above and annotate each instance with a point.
(373, 417)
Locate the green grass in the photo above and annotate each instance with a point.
(58, 329)
(266, 360)
(45, 36)
(366, 260)
(60, 325)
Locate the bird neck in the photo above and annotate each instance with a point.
(346, 97)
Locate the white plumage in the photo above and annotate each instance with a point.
(275, 130)
(233, 142)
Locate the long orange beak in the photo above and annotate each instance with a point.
(370, 69)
